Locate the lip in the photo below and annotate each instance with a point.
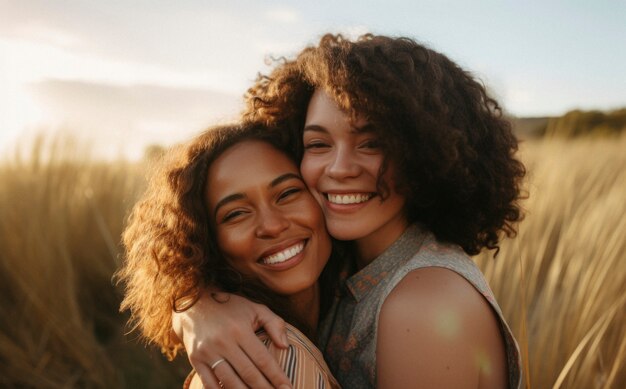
(291, 262)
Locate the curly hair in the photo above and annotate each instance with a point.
(453, 151)
(170, 252)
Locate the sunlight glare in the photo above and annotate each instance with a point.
(448, 324)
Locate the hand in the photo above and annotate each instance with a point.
(222, 326)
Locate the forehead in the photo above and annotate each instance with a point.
(325, 112)
(244, 165)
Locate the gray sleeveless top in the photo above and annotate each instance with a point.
(348, 333)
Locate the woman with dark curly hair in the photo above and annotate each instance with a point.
(413, 164)
(230, 209)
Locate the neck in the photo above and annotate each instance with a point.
(374, 244)
(306, 305)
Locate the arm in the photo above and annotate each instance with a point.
(222, 325)
(302, 361)
(436, 330)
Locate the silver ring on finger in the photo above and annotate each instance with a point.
(214, 365)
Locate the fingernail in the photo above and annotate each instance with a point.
(285, 340)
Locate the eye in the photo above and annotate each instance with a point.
(315, 145)
(288, 193)
(231, 215)
(370, 144)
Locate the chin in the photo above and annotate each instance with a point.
(294, 291)
(343, 232)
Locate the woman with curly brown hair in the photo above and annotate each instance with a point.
(413, 164)
(230, 209)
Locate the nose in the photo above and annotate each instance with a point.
(271, 223)
(342, 164)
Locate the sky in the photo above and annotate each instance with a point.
(126, 74)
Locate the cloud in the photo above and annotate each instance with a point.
(39, 32)
(132, 116)
(133, 102)
(282, 15)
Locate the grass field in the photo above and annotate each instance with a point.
(560, 282)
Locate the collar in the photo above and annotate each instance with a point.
(393, 257)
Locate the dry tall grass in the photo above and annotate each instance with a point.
(572, 249)
(61, 215)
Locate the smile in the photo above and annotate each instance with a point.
(349, 198)
(284, 255)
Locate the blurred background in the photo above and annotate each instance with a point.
(91, 92)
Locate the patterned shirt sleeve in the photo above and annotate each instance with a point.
(302, 362)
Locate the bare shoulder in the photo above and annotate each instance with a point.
(437, 330)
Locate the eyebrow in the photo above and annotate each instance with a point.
(314, 128)
(240, 196)
(226, 200)
(284, 177)
(364, 128)
(357, 130)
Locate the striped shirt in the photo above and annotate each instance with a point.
(302, 362)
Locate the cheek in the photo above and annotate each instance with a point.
(390, 174)
(318, 218)
(373, 164)
(309, 212)
(317, 222)
(310, 172)
(234, 247)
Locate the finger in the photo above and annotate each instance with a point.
(229, 378)
(209, 380)
(247, 371)
(264, 362)
(274, 325)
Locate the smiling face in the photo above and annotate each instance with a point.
(268, 225)
(340, 166)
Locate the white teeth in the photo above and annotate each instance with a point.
(284, 255)
(349, 198)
